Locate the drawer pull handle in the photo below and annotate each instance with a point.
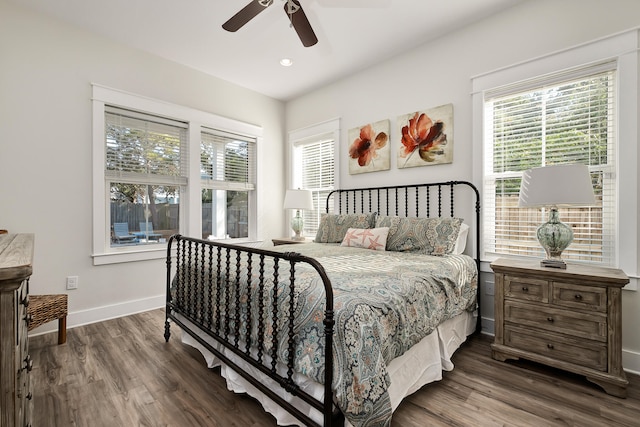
(550, 346)
(28, 363)
(29, 396)
(578, 296)
(550, 319)
(525, 289)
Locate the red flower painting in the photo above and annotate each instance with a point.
(365, 147)
(423, 135)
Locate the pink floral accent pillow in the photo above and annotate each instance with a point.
(368, 238)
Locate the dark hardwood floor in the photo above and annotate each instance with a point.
(122, 373)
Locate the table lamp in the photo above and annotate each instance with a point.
(553, 186)
(299, 200)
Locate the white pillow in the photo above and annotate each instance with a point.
(368, 238)
(461, 242)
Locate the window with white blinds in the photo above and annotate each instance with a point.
(563, 118)
(316, 164)
(145, 167)
(228, 176)
(151, 158)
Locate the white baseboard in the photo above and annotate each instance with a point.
(98, 314)
(631, 361)
(488, 326)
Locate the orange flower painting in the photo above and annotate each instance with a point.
(369, 149)
(426, 137)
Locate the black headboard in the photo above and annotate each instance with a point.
(435, 199)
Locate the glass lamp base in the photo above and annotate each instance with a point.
(297, 224)
(554, 236)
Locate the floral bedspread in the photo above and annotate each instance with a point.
(384, 303)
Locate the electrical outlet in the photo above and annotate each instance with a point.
(72, 282)
(488, 288)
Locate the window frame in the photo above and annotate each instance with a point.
(623, 49)
(126, 172)
(223, 185)
(190, 206)
(492, 178)
(327, 130)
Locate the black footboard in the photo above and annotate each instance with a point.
(222, 289)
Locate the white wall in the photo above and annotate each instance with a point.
(440, 72)
(46, 71)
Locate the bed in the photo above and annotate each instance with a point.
(338, 331)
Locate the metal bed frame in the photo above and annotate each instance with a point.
(192, 293)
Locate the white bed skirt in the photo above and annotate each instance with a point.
(421, 365)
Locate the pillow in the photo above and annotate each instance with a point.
(431, 236)
(368, 238)
(461, 241)
(333, 227)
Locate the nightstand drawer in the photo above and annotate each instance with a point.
(525, 288)
(577, 324)
(578, 296)
(578, 352)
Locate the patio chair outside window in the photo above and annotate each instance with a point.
(121, 233)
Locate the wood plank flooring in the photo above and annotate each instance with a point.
(122, 373)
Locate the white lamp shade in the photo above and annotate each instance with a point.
(298, 199)
(559, 185)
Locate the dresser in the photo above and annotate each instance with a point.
(569, 319)
(16, 256)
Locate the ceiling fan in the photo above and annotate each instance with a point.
(292, 8)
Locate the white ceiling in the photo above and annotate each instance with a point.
(352, 34)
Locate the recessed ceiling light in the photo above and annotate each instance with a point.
(286, 62)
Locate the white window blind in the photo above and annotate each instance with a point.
(228, 161)
(317, 174)
(228, 177)
(144, 149)
(145, 167)
(567, 117)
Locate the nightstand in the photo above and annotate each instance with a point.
(569, 319)
(289, 241)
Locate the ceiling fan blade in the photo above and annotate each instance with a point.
(300, 22)
(245, 15)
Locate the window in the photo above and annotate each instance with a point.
(228, 174)
(145, 168)
(317, 175)
(314, 166)
(617, 54)
(156, 165)
(562, 118)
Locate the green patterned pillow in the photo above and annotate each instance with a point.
(333, 227)
(431, 236)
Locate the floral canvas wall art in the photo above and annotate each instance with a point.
(369, 148)
(426, 137)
